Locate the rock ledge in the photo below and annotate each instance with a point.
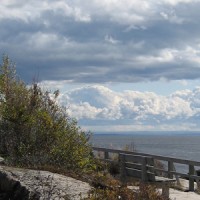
(25, 184)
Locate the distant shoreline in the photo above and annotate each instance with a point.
(149, 133)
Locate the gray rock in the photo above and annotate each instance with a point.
(34, 184)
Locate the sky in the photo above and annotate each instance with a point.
(121, 65)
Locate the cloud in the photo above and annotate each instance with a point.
(176, 2)
(102, 41)
(99, 106)
(30, 10)
(172, 17)
(111, 40)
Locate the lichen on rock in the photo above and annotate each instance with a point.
(25, 184)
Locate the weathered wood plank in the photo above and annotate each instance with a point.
(195, 177)
(164, 179)
(138, 173)
(134, 158)
(134, 173)
(134, 165)
(164, 158)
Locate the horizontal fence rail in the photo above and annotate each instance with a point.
(170, 172)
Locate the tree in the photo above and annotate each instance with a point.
(34, 129)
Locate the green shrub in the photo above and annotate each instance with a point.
(35, 130)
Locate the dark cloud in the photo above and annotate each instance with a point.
(67, 40)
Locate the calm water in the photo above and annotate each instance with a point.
(184, 146)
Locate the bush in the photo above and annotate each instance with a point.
(35, 130)
(117, 192)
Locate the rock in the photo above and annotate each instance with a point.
(34, 184)
(11, 188)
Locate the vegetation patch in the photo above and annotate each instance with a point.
(34, 130)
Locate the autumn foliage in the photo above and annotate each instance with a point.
(34, 129)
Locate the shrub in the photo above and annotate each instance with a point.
(149, 192)
(116, 192)
(34, 129)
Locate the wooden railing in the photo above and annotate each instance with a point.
(170, 171)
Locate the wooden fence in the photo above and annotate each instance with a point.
(170, 171)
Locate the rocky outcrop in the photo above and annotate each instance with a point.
(12, 189)
(23, 184)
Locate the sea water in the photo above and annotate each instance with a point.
(172, 144)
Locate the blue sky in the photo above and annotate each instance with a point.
(143, 54)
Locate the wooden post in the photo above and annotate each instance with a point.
(176, 176)
(197, 180)
(165, 190)
(191, 180)
(106, 155)
(170, 169)
(122, 168)
(144, 169)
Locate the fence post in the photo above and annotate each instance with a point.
(144, 169)
(197, 180)
(122, 168)
(176, 176)
(191, 180)
(170, 169)
(106, 156)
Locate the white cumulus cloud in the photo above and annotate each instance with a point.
(98, 104)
